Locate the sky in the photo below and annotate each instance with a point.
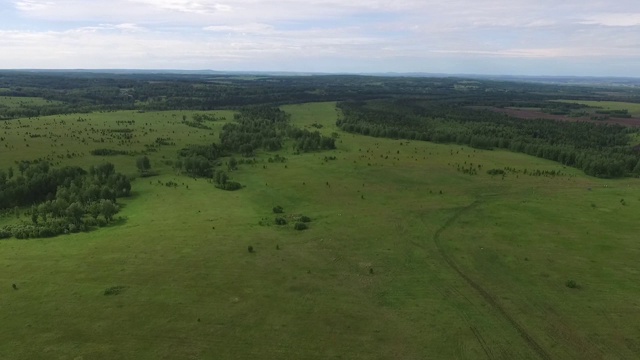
(500, 37)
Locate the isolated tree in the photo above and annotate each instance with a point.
(143, 164)
(232, 164)
(221, 178)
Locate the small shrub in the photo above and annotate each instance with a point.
(231, 186)
(281, 221)
(305, 219)
(115, 290)
(572, 284)
(278, 209)
(495, 172)
(300, 226)
(250, 248)
(5, 233)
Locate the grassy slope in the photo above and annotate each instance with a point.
(195, 292)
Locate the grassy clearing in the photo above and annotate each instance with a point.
(69, 139)
(14, 102)
(368, 280)
(632, 108)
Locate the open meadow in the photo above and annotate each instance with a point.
(413, 251)
(632, 108)
(12, 102)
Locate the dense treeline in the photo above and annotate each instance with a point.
(598, 150)
(71, 92)
(64, 200)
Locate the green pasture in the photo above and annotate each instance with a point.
(69, 139)
(406, 257)
(632, 108)
(14, 102)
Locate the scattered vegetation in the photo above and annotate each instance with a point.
(108, 152)
(115, 290)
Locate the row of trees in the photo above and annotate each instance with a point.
(598, 150)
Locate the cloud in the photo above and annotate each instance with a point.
(623, 20)
(413, 35)
(188, 6)
(253, 28)
(33, 5)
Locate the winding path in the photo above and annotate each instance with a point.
(489, 299)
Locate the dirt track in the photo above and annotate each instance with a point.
(528, 338)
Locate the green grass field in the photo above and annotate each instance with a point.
(406, 257)
(632, 108)
(13, 102)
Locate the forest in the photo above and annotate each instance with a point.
(61, 200)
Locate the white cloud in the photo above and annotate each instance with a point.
(33, 5)
(627, 19)
(188, 6)
(253, 28)
(215, 33)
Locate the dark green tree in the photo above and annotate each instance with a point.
(108, 209)
(143, 164)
